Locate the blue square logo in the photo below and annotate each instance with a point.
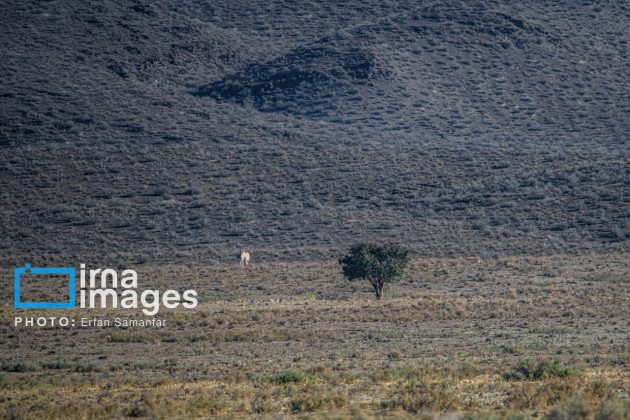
(67, 271)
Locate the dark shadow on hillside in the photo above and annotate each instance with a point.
(309, 81)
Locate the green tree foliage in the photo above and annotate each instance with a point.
(379, 264)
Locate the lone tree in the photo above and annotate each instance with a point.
(379, 264)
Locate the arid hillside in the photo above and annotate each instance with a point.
(182, 131)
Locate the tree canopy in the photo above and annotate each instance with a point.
(377, 263)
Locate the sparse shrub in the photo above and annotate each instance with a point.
(288, 391)
(403, 374)
(196, 204)
(322, 371)
(466, 370)
(394, 355)
(88, 368)
(617, 233)
(142, 365)
(60, 208)
(209, 406)
(538, 345)
(18, 367)
(3, 382)
(192, 191)
(552, 329)
(536, 395)
(141, 409)
(57, 365)
(130, 337)
(393, 334)
(292, 376)
(161, 381)
(613, 410)
(379, 264)
(505, 415)
(315, 401)
(530, 370)
(512, 348)
(263, 404)
(158, 192)
(242, 335)
(107, 195)
(423, 396)
(576, 408)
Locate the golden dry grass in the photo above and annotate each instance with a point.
(295, 339)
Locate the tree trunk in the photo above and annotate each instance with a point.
(375, 287)
(378, 289)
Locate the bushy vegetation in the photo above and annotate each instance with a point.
(531, 370)
(293, 376)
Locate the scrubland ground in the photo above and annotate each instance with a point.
(512, 337)
(165, 135)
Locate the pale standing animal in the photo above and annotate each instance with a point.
(243, 258)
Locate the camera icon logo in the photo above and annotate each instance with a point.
(20, 271)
